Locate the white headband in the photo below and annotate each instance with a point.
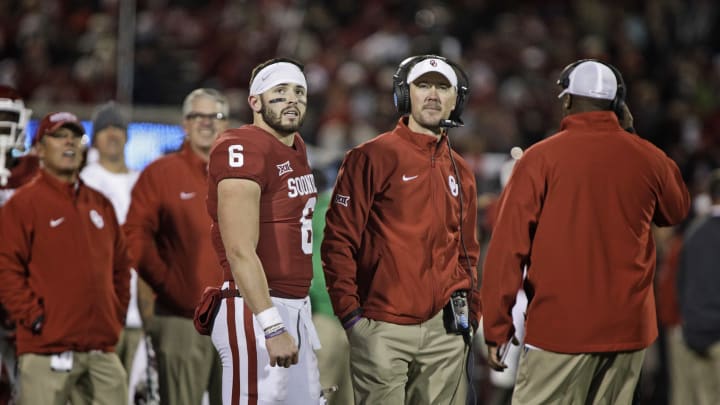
(277, 73)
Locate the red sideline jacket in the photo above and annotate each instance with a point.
(392, 239)
(668, 306)
(63, 256)
(168, 232)
(578, 211)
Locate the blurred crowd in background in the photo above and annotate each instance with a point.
(59, 51)
(66, 51)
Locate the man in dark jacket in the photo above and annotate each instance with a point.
(698, 282)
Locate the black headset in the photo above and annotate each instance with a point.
(401, 88)
(618, 102)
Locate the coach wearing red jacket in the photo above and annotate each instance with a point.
(400, 241)
(578, 212)
(168, 231)
(64, 277)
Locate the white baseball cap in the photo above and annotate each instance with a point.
(432, 65)
(591, 79)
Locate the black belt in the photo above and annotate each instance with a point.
(228, 293)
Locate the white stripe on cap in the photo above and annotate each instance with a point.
(277, 73)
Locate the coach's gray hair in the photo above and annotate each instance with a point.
(209, 93)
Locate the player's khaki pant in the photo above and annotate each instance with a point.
(555, 378)
(188, 364)
(410, 364)
(96, 377)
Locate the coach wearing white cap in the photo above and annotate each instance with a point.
(578, 212)
(400, 242)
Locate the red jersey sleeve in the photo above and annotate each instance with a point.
(241, 156)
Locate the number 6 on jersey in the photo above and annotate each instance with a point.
(235, 156)
(306, 231)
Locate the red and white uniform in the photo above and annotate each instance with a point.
(287, 202)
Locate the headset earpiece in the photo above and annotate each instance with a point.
(401, 88)
(463, 89)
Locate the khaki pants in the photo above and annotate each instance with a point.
(188, 363)
(680, 359)
(127, 346)
(95, 378)
(334, 360)
(594, 378)
(411, 364)
(705, 372)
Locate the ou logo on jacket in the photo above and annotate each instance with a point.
(454, 187)
(97, 219)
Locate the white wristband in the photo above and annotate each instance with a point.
(269, 317)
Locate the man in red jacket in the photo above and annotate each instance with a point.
(578, 212)
(400, 244)
(167, 230)
(64, 277)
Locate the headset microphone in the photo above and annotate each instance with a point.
(450, 124)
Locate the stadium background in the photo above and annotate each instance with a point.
(148, 54)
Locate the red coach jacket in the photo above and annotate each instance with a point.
(578, 211)
(168, 232)
(392, 237)
(63, 256)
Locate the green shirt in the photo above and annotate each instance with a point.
(319, 297)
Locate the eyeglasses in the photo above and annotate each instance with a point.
(200, 116)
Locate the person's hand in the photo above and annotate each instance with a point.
(282, 350)
(496, 355)
(627, 118)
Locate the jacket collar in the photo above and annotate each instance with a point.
(195, 161)
(64, 188)
(422, 141)
(600, 120)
